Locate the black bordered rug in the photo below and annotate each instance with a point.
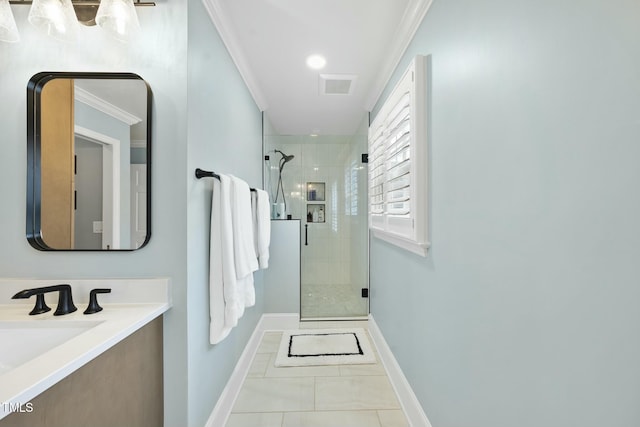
(316, 347)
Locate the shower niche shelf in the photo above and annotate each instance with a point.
(315, 191)
(316, 212)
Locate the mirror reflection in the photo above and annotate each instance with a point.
(89, 152)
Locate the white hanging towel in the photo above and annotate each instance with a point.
(233, 291)
(218, 328)
(261, 226)
(243, 246)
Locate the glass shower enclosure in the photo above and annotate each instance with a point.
(322, 181)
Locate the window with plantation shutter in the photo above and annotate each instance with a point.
(398, 162)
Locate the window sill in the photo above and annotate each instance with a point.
(410, 245)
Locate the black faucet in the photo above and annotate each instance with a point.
(65, 300)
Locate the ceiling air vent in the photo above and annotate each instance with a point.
(337, 84)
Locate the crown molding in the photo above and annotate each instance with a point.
(222, 23)
(100, 104)
(413, 16)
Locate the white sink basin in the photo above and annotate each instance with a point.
(25, 340)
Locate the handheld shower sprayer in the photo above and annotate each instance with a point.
(283, 160)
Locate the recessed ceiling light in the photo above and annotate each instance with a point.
(316, 62)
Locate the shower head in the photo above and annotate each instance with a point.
(285, 157)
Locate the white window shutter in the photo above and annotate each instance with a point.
(398, 163)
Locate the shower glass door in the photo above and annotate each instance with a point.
(324, 185)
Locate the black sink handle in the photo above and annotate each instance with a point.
(94, 307)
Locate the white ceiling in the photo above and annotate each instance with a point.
(269, 41)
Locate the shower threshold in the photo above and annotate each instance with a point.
(334, 319)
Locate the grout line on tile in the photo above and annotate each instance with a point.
(377, 415)
(315, 393)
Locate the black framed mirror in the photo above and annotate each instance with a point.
(88, 161)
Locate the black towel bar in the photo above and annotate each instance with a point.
(201, 173)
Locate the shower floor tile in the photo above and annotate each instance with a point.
(332, 300)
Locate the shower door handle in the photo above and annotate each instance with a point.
(306, 229)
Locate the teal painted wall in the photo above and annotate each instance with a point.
(225, 135)
(524, 313)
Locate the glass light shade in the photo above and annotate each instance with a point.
(119, 18)
(8, 29)
(55, 17)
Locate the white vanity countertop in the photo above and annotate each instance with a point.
(131, 304)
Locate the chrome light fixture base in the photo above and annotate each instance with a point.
(85, 10)
(116, 17)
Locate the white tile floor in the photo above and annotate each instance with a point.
(315, 396)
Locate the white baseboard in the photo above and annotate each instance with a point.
(408, 400)
(268, 322)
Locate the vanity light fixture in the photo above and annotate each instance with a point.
(8, 29)
(57, 17)
(118, 17)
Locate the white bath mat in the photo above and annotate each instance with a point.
(315, 347)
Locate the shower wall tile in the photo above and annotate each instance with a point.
(309, 156)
